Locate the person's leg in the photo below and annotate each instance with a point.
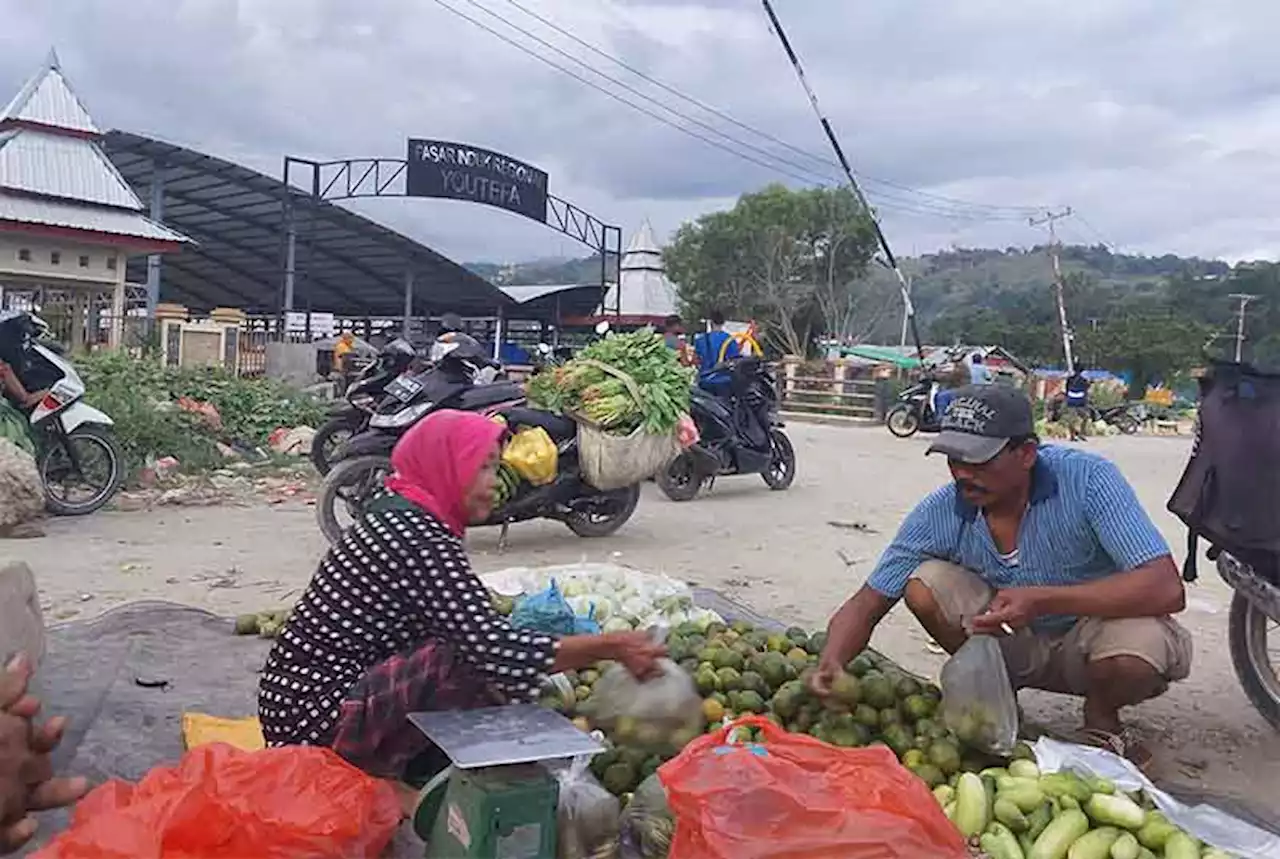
(942, 596)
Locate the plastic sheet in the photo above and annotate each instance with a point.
(793, 797)
(587, 815)
(1204, 822)
(221, 803)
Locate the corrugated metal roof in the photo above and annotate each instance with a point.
(70, 168)
(48, 99)
(52, 213)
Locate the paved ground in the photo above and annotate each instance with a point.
(793, 556)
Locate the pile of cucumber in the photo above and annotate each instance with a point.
(1018, 813)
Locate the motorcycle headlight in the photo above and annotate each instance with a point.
(399, 419)
(362, 401)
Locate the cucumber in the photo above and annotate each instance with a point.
(1065, 784)
(1126, 847)
(1009, 782)
(1069, 801)
(1095, 844)
(999, 843)
(1059, 835)
(1181, 846)
(1115, 810)
(1024, 769)
(1155, 831)
(973, 811)
(1008, 813)
(995, 772)
(944, 794)
(1027, 799)
(1039, 819)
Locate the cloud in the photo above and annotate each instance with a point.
(1157, 122)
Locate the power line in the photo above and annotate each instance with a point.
(886, 201)
(826, 162)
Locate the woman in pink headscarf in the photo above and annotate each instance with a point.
(395, 621)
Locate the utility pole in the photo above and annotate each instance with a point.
(1244, 299)
(1050, 218)
(906, 317)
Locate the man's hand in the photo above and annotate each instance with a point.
(26, 773)
(829, 668)
(1011, 609)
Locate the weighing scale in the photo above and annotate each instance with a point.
(495, 801)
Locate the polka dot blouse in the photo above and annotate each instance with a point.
(396, 580)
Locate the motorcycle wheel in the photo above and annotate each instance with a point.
(1247, 635)
(591, 524)
(679, 481)
(902, 421)
(334, 432)
(87, 439)
(781, 472)
(347, 487)
(1127, 424)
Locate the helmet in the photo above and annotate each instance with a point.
(457, 346)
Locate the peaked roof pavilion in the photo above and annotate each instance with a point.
(55, 179)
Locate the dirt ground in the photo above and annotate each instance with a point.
(793, 556)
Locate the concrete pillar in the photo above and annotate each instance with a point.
(290, 257)
(154, 260)
(408, 299)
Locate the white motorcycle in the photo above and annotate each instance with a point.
(80, 462)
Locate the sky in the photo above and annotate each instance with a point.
(1157, 123)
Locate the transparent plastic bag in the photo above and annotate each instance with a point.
(546, 611)
(533, 455)
(664, 711)
(587, 815)
(648, 825)
(978, 701)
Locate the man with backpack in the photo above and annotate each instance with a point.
(1047, 548)
(1077, 403)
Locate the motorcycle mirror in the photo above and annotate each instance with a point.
(602, 327)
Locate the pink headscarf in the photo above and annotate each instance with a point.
(437, 459)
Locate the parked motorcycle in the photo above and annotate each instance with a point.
(738, 435)
(915, 411)
(350, 414)
(1126, 417)
(75, 446)
(1228, 496)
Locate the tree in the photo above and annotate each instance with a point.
(793, 260)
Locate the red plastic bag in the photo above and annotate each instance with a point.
(794, 797)
(222, 803)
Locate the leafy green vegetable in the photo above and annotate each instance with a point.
(583, 388)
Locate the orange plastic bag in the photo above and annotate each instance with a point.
(794, 797)
(219, 802)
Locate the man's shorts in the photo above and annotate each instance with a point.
(1057, 662)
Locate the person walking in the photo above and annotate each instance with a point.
(1077, 403)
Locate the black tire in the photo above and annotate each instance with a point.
(590, 525)
(1247, 635)
(902, 420)
(679, 481)
(1127, 424)
(348, 483)
(334, 432)
(781, 472)
(102, 438)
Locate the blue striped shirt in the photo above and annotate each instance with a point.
(1084, 523)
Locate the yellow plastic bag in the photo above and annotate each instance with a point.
(200, 729)
(533, 455)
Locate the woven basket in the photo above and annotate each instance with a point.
(611, 461)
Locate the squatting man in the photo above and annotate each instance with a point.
(1046, 547)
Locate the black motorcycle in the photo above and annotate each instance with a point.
(1126, 417)
(915, 411)
(362, 463)
(740, 434)
(350, 414)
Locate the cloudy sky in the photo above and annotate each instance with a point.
(1158, 122)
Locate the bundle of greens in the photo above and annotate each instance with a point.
(583, 388)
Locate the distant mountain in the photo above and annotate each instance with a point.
(541, 272)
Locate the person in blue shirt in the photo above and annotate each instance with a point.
(712, 348)
(1047, 548)
(1077, 403)
(979, 372)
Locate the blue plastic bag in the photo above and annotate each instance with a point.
(546, 611)
(586, 624)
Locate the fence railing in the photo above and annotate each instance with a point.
(831, 389)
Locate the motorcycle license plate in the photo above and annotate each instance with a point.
(404, 388)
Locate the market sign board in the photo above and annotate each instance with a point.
(458, 171)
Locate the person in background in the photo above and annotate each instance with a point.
(1077, 403)
(1047, 548)
(979, 372)
(712, 348)
(673, 332)
(27, 782)
(395, 621)
(11, 387)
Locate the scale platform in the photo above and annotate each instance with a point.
(499, 736)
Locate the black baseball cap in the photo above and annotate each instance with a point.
(981, 420)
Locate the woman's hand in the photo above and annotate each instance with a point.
(637, 652)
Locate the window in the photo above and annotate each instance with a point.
(111, 263)
(84, 260)
(24, 254)
(55, 257)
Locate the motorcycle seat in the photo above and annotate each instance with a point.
(558, 427)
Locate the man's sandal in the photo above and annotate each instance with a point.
(1125, 744)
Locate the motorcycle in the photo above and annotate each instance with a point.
(915, 411)
(69, 434)
(1126, 417)
(362, 463)
(349, 415)
(738, 435)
